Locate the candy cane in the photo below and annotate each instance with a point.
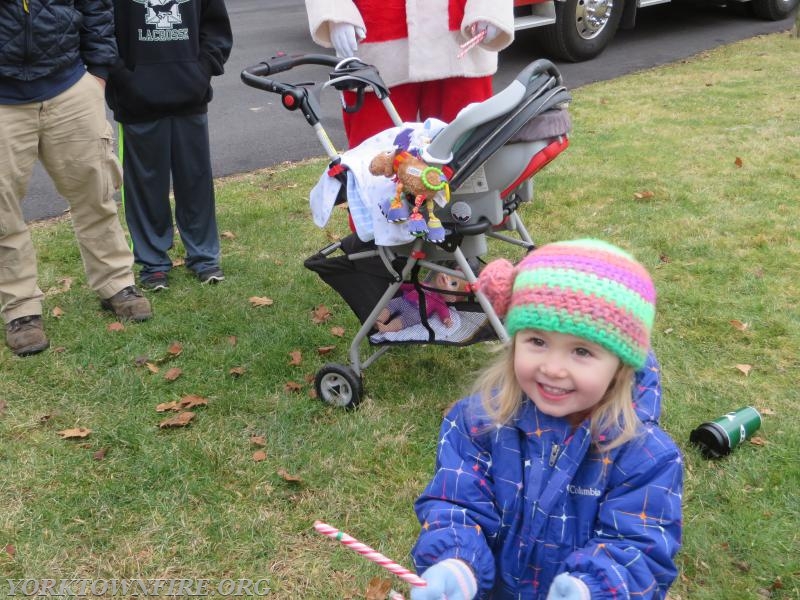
(370, 554)
(471, 43)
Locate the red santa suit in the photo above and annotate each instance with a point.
(415, 45)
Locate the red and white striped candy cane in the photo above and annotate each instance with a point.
(370, 554)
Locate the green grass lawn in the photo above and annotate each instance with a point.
(694, 167)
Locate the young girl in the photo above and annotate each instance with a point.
(550, 483)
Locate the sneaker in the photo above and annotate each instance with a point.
(211, 275)
(25, 336)
(129, 303)
(154, 282)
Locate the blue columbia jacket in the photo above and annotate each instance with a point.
(523, 502)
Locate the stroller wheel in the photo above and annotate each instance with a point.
(338, 386)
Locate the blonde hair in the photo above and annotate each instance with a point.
(614, 415)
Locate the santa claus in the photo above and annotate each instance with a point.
(415, 44)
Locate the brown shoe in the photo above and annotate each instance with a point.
(25, 336)
(129, 303)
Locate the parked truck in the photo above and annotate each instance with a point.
(577, 30)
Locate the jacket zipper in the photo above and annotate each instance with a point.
(554, 450)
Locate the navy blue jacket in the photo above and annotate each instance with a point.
(55, 35)
(524, 502)
(169, 50)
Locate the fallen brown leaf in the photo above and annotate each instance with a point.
(292, 386)
(325, 349)
(296, 357)
(11, 550)
(178, 262)
(745, 368)
(3, 407)
(337, 331)
(190, 401)
(58, 350)
(288, 477)
(180, 420)
(77, 432)
(757, 441)
(152, 368)
(227, 235)
(767, 411)
(320, 314)
(739, 325)
(743, 566)
(261, 301)
(165, 406)
(115, 326)
(236, 371)
(175, 349)
(377, 589)
(172, 374)
(66, 284)
(738, 162)
(643, 195)
(100, 454)
(258, 440)
(57, 312)
(232, 340)
(259, 455)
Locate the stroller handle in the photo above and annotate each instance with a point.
(293, 96)
(348, 74)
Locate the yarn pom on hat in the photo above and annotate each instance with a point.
(587, 288)
(495, 281)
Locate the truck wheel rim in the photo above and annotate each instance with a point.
(591, 17)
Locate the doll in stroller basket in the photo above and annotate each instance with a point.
(423, 199)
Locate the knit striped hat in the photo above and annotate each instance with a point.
(586, 288)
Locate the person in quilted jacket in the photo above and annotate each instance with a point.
(550, 483)
(55, 56)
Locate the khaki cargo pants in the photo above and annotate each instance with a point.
(72, 137)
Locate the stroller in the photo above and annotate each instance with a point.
(408, 270)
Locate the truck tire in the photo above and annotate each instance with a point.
(583, 28)
(773, 10)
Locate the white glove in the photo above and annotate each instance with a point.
(450, 579)
(491, 31)
(567, 587)
(345, 38)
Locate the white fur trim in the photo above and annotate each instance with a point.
(321, 13)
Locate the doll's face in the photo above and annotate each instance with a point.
(446, 283)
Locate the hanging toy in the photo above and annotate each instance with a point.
(419, 182)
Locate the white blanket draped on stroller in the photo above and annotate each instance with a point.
(365, 191)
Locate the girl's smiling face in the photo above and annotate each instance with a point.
(564, 376)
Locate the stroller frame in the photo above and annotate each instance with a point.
(463, 147)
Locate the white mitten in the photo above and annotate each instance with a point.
(450, 579)
(345, 38)
(567, 587)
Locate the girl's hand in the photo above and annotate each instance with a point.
(451, 579)
(566, 587)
